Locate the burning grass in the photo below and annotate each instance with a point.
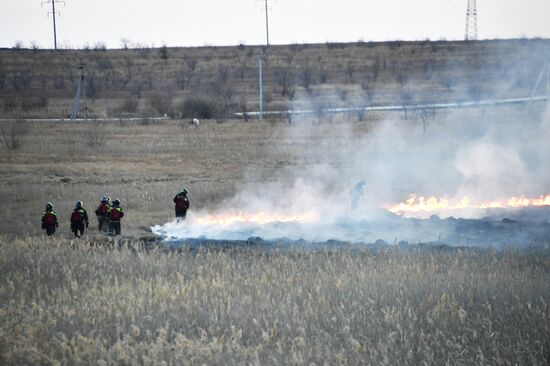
(67, 302)
(429, 205)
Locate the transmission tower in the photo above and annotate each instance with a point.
(53, 13)
(471, 21)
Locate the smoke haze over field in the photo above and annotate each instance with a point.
(482, 154)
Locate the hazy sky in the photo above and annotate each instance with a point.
(216, 22)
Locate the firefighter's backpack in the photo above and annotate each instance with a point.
(116, 215)
(49, 218)
(181, 202)
(76, 216)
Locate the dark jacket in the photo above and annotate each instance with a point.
(181, 201)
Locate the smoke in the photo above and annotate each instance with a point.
(483, 154)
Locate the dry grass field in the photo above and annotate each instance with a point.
(63, 301)
(66, 301)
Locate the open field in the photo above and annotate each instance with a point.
(92, 305)
(87, 301)
(145, 164)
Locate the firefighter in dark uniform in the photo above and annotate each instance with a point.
(102, 213)
(182, 204)
(49, 220)
(79, 219)
(115, 214)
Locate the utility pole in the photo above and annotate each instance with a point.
(54, 13)
(266, 24)
(471, 21)
(260, 77)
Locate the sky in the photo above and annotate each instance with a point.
(231, 22)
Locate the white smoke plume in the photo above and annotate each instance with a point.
(484, 154)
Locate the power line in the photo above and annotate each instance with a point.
(54, 13)
(471, 21)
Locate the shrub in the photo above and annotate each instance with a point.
(163, 52)
(198, 107)
(129, 105)
(161, 103)
(285, 79)
(95, 135)
(13, 132)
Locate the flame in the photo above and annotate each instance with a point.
(261, 218)
(415, 204)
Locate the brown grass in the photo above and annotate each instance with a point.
(67, 303)
(146, 164)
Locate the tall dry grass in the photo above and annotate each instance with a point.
(64, 302)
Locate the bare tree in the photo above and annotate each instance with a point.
(180, 79)
(369, 87)
(305, 76)
(285, 79)
(405, 96)
(240, 71)
(425, 113)
(13, 132)
(402, 78)
(100, 46)
(163, 52)
(128, 72)
(21, 79)
(35, 47)
(92, 85)
(244, 108)
(223, 74)
(448, 81)
(288, 116)
(342, 93)
(323, 74)
(350, 70)
(318, 110)
(225, 95)
(191, 64)
(3, 76)
(43, 80)
(125, 43)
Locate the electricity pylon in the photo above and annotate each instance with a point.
(471, 21)
(76, 99)
(54, 13)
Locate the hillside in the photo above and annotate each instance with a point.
(217, 81)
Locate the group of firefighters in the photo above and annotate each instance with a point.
(109, 214)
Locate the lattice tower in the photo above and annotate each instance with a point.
(471, 21)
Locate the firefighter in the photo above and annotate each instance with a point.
(49, 220)
(358, 194)
(115, 213)
(102, 214)
(182, 204)
(79, 219)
